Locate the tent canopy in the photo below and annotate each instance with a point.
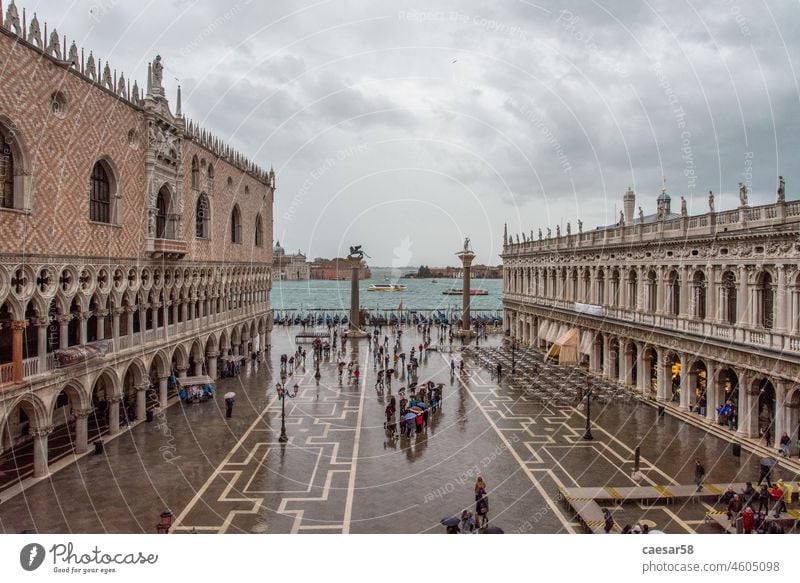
(565, 347)
(587, 341)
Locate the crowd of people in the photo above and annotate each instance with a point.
(747, 519)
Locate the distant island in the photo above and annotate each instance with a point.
(478, 272)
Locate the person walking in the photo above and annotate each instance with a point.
(608, 521)
(748, 519)
(499, 371)
(763, 499)
(481, 503)
(228, 407)
(785, 444)
(699, 474)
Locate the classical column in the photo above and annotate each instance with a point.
(624, 364)
(685, 396)
(40, 461)
(100, 316)
(129, 315)
(780, 301)
(712, 295)
(212, 364)
(83, 324)
(82, 429)
(640, 375)
(712, 391)
(185, 311)
(683, 309)
(183, 368)
(664, 377)
(141, 400)
(597, 351)
(606, 357)
(163, 388)
(641, 290)
(42, 325)
(17, 329)
(115, 326)
(660, 291)
(113, 414)
(743, 298)
(63, 330)
(748, 407)
(467, 256)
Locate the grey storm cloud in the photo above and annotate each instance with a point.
(436, 120)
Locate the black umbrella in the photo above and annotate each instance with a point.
(452, 521)
(493, 530)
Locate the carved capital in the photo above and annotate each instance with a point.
(115, 399)
(81, 413)
(143, 386)
(19, 325)
(42, 431)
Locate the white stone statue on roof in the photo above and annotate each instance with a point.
(158, 71)
(742, 194)
(641, 215)
(711, 201)
(684, 211)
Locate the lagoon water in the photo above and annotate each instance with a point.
(422, 294)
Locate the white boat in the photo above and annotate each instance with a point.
(387, 287)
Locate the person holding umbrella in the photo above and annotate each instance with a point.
(229, 397)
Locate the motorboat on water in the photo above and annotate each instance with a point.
(458, 292)
(392, 287)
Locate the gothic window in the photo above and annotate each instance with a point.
(211, 172)
(195, 173)
(729, 294)
(6, 172)
(100, 194)
(259, 231)
(163, 210)
(202, 217)
(236, 225)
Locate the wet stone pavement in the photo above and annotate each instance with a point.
(340, 473)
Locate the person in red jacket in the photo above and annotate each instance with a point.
(748, 519)
(777, 497)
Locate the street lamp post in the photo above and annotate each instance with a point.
(282, 394)
(513, 357)
(587, 434)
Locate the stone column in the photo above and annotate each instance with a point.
(163, 389)
(182, 370)
(712, 390)
(82, 429)
(101, 324)
(640, 373)
(641, 290)
(40, 454)
(41, 342)
(664, 378)
(141, 400)
(712, 295)
(113, 414)
(466, 256)
(129, 315)
(683, 311)
(685, 397)
(63, 330)
(748, 407)
(743, 299)
(17, 329)
(660, 291)
(606, 357)
(624, 364)
(115, 326)
(83, 325)
(780, 302)
(212, 364)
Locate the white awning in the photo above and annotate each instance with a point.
(565, 347)
(552, 332)
(543, 327)
(587, 340)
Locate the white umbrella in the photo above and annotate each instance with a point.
(230, 395)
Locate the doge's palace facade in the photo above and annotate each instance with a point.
(695, 312)
(134, 245)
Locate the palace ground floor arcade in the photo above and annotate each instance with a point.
(53, 417)
(750, 394)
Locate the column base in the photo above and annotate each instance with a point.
(467, 334)
(354, 333)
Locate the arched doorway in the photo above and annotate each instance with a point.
(650, 371)
(17, 442)
(673, 369)
(728, 398)
(767, 403)
(698, 383)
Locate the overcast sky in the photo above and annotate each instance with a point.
(406, 126)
